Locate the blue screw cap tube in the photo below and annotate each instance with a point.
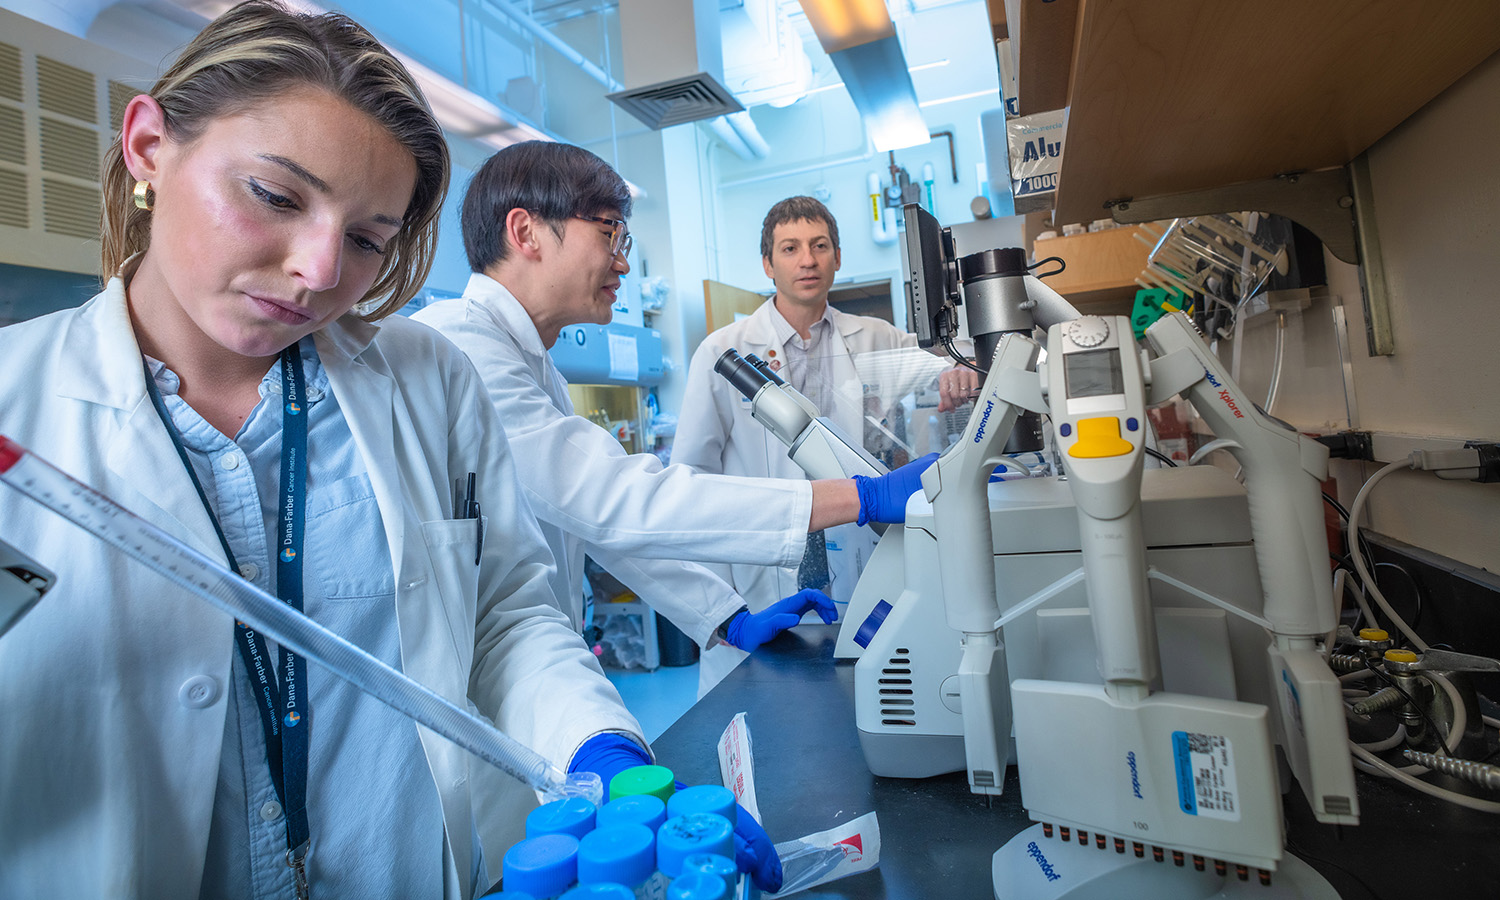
(601, 890)
(621, 853)
(713, 864)
(638, 809)
(684, 836)
(543, 867)
(703, 798)
(570, 815)
(698, 886)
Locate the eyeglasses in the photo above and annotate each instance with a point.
(620, 239)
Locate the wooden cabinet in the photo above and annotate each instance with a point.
(1168, 96)
(1102, 267)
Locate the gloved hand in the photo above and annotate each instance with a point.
(749, 630)
(607, 755)
(754, 853)
(883, 498)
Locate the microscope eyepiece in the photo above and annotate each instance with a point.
(746, 378)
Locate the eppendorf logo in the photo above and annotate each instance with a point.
(853, 847)
(1224, 394)
(1035, 852)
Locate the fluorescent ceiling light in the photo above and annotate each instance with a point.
(875, 76)
(860, 38)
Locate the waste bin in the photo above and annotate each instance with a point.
(677, 649)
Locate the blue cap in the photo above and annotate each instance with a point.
(636, 809)
(684, 836)
(542, 866)
(714, 864)
(621, 853)
(703, 798)
(602, 890)
(698, 886)
(570, 815)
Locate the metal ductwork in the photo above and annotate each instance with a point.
(674, 62)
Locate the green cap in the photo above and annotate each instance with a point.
(653, 780)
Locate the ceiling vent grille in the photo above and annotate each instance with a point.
(66, 89)
(10, 72)
(12, 136)
(56, 91)
(680, 100)
(17, 199)
(70, 150)
(70, 209)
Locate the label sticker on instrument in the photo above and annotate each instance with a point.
(1206, 785)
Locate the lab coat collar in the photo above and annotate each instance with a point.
(102, 331)
(501, 303)
(760, 326)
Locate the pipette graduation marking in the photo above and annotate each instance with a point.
(181, 564)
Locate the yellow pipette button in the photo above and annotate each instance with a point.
(1098, 438)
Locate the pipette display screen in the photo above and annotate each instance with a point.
(1093, 373)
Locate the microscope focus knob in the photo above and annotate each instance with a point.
(1088, 331)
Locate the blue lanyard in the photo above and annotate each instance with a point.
(284, 709)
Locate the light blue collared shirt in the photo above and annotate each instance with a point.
(370, 797)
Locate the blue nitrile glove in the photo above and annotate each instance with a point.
(607, 755)
(754, 853)
(883, 498)
(749, 630)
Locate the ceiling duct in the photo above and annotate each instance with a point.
(674, 62)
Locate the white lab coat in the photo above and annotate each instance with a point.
(635, 517)
(109, 758)
(716, 433)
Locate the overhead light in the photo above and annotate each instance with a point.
(840, 24)
(860, 38)
(875, 75)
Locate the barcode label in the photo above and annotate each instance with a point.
(1206, 784)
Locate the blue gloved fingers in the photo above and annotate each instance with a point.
(815, 600)
(754, 853)
(805, 601)
(749, 630)
(607, 755)
(883, 498)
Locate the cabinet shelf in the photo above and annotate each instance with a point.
(1170, 96)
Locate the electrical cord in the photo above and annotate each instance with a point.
(1157, 454)
(1357, 556)
(1339, 507)
(1416, 589)
(961, 359)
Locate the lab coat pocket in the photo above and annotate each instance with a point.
(452, 546)
(349, 546)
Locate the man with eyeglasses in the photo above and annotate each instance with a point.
(544, 229)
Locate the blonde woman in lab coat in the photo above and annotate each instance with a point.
(268, 204)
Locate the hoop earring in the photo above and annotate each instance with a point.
(145, 198)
